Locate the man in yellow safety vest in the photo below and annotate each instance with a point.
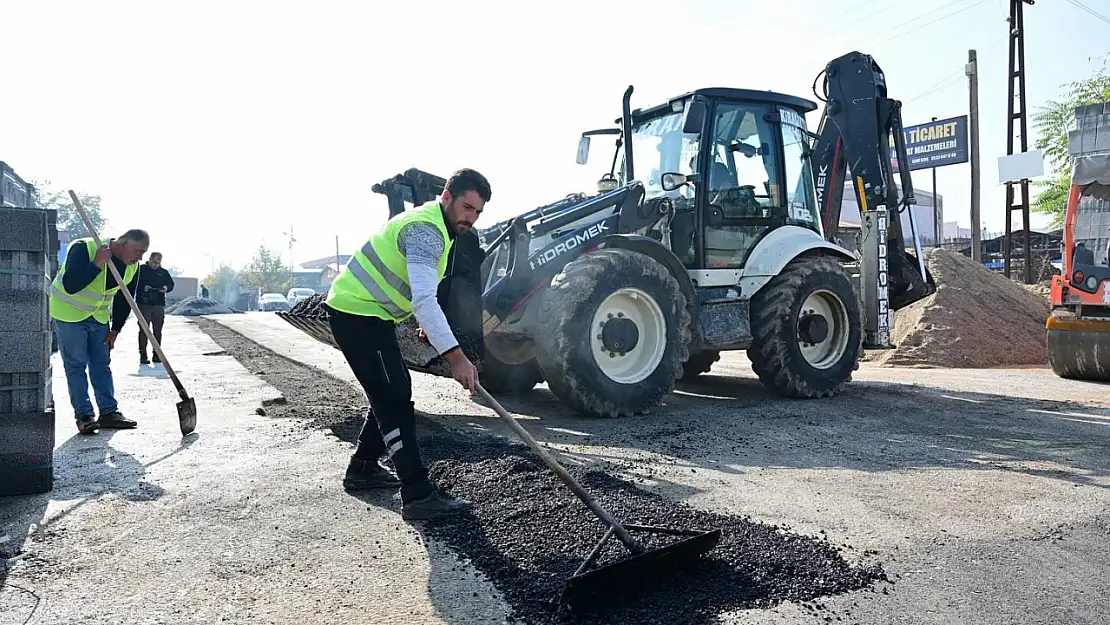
(84, 297)
(396, 274)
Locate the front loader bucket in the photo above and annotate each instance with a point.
(459, 295)
(1079, 349)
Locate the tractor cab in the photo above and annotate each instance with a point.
(734, 164)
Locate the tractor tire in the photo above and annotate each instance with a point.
(613, 332)
(807, 329)
(698, 364)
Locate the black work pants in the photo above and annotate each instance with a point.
(155, 316)
(370, 346)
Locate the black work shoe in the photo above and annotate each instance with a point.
(116, 420)
(435, 505)
(86, 424)
(367, 474)
(157, 359)
(143, 360)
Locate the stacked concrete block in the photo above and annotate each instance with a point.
(1092, 136)
(1092, 130)
(26, 398)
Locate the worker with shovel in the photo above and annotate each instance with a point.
(83, 298)
(395, 274)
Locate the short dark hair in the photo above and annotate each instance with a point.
(465, 180)
(157, 255)
(136, 235)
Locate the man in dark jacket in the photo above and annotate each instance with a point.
(154, 283)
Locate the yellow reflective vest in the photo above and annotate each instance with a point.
(375, 282)
(95, 300)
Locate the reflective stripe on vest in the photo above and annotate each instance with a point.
(92, 301)
(387, 295)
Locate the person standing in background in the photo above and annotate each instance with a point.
(154, 282)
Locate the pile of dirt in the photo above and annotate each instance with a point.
(977, 318)
(527, 532)
(196, 306)
(1040, 289)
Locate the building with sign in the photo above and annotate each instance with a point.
(923, 211)
(935, 144)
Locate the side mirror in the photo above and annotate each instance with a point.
(671, 181)
(583, 151)
(693, 116)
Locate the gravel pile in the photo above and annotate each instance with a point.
(196, 306)
(977, 318)
(527, 532)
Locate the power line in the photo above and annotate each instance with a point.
(838, 24)
(942, 17)
(951, 77)
(914, 19)
(1089, 10)
(891, 4)
(933, 88)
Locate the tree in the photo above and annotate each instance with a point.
(1052, 121)
(223, 285)
(68, 217)
(267, 271)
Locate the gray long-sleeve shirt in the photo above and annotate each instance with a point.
(422, 244)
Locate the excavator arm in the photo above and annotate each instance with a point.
(853, 139)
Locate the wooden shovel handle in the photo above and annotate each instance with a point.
(127, 295)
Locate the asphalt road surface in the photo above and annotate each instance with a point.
(983, 494)
(984, 491)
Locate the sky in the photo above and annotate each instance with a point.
(221, 126)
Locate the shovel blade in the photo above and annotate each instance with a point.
(584, 591)
(187, 415)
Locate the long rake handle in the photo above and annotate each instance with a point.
(558, 469)
(130, 300)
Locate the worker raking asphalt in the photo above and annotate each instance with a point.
(527, 533)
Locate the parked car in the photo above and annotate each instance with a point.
(297, 294)
(272, 301)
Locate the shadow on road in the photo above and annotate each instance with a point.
(86, 469)
(733, 425)
(727, 424)
(157, 372)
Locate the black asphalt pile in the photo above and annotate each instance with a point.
(527, 532)
(311, 308)
(196, 306)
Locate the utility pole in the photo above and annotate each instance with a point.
(972, 72)
(936, 212)
(338, 268)
(292, 270)
(1017, 72)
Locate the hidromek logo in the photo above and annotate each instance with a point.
(822, 174)
(568, 244)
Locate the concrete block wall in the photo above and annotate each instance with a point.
(1092, 130)
(26, 453)
(28, 259)
(26, 392)
(24, 279)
